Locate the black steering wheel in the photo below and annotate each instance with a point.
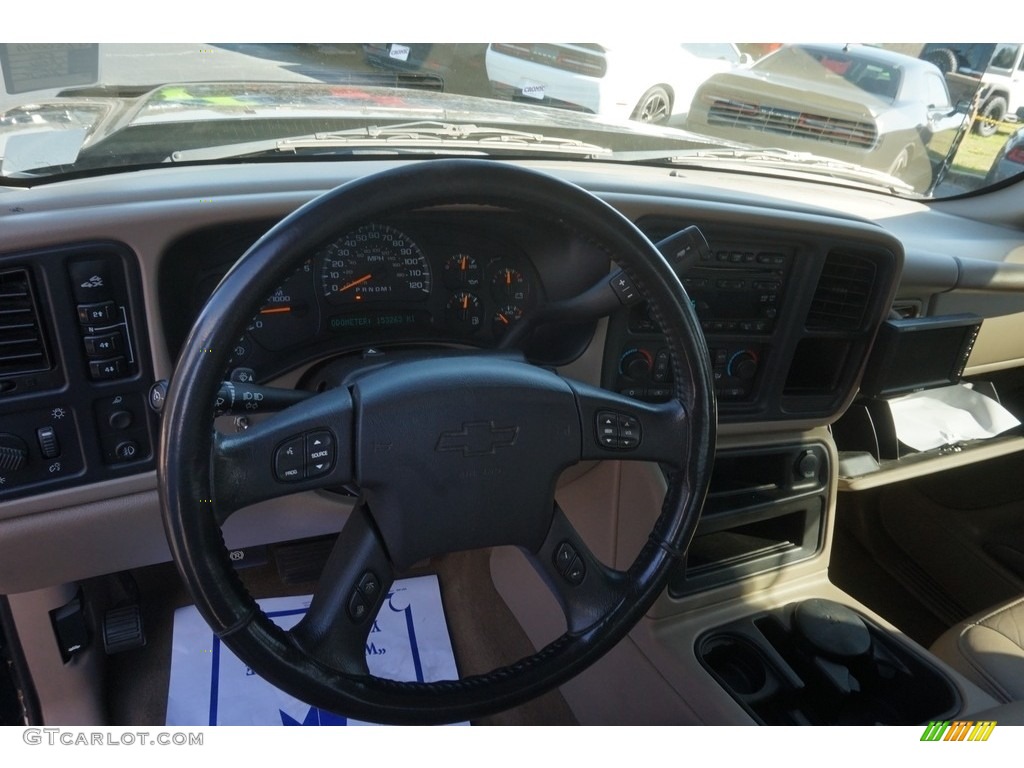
(450, 453)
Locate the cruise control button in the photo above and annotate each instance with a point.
(288, 460)
(369, 586)
(358, 607)
(575, 572)
(564, 556)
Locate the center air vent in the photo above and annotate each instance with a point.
(843, 292)
(22, 344)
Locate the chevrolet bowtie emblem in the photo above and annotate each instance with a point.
(478, 438)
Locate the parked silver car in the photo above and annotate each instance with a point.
(859, 104)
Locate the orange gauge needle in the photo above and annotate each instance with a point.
(354, 283)
(465, 301)
(503, 319)
(274, 310)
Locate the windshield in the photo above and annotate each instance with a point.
(917, 120)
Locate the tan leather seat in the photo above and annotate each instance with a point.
(988, 649)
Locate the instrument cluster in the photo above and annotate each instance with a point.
(395, 282)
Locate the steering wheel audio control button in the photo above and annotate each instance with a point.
(289, 460)
(319, 453)
(629, 432)
(617, 430)
(607, 429)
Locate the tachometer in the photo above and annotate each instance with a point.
(375, 262)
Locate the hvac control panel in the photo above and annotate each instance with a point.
(737, 293)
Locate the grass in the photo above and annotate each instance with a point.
(977, 153)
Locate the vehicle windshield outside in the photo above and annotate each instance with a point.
(928, 120)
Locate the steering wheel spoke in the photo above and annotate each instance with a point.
(584, 587)
(304, 447)
(619, 427)
(352, 587)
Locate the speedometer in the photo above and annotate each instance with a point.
(375, 262)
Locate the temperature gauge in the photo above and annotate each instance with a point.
(505, 318)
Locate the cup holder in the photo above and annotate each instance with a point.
(738, 664)
(820, 663)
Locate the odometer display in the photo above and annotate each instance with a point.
(374, 263)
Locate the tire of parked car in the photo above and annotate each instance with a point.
(990, 115)
(655, 106)
(943, 58)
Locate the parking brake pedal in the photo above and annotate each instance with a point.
(123, 629)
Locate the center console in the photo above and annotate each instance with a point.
(765, 509)
(818, 662)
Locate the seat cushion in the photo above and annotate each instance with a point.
(989, 649)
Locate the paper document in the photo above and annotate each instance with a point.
(946, 416)
(209, 686)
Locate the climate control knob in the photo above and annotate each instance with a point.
(743, 364)
(636, 363)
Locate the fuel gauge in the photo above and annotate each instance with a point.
(464, 313)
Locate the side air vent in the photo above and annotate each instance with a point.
(22, 343)
(843, 292)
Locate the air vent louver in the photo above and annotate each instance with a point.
(22, 344)
(843, 292)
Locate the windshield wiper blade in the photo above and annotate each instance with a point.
(416, 136)
(774, 158)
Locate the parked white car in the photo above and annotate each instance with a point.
(615, 80)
